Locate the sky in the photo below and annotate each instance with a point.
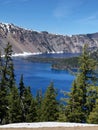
(67, 17)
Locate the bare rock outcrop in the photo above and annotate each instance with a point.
(24, 40)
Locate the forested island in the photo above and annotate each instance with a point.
(71, 63)
(17, 104)
(57, 63)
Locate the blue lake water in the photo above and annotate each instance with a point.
(39, 76)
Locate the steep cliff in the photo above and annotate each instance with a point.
(24, 40)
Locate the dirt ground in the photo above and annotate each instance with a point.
(56, 128)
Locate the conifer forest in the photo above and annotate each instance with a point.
(17, 104)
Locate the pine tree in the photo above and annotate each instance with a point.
(3, 104)
(39, 100)
(21, 94)
(21, 87)
(2, 96)
(12, 82)
(7, 62)
(50, 105)
(77, 108)
(5, 72)
(62, 117)
(93, 117)
(15, 109)
(27, 102)
(73, 111)
(32, 112)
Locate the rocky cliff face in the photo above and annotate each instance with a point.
(24, 40)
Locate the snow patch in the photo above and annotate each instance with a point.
(45, 124)
(53, 52)
(35, 53)
(25, 54)
(5, 26)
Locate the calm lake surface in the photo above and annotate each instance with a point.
(39, 75)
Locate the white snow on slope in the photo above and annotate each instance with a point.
(45, 124)
(26, 54)
(35, 53)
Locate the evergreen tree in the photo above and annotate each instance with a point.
(0, 66)
(39, 100)
(5, 72)
(22, 98)
(73, 111)
(7, 63)
(21, 87)
(12, 82)
(3, 105)
(62, 117)
(2, 96)
(15, 109)
(50, 105)
(77, 108)
(93, 117)
(27, 102)
(14, 106)
(32, 112)
(93, 97)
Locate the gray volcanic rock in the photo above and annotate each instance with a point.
(24, 40)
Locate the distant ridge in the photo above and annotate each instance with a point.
(30, 41)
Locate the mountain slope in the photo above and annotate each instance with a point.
(24, 40)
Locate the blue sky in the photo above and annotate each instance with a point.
(55, 16)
